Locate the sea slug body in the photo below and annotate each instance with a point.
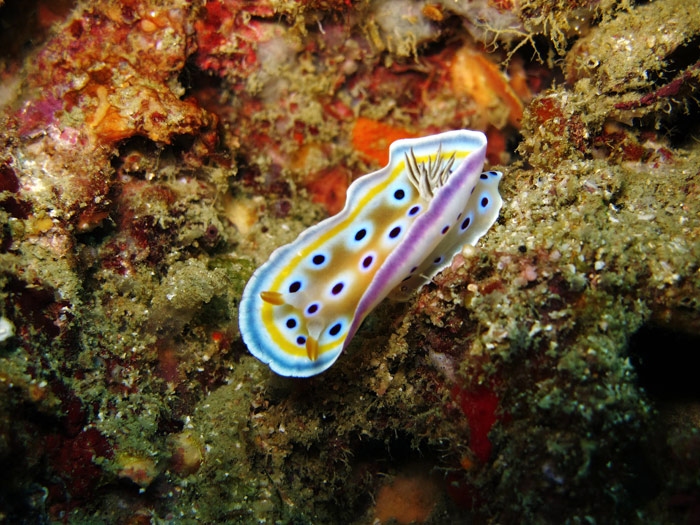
(400, 226)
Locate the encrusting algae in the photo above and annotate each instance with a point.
(154, 156)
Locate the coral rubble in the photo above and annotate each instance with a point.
(153, 154)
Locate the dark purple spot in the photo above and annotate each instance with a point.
(444, 230)
(483, 176)
(459, 216)
(399, 194)
(211, 233)
(291, 323)
(394, 233)
(312, 308)
(335, 329)
(281, 208)
(414, 210)
(414, 269)
(360, 234)
(472, 190)
(484, 202)
(438, 260)
(405, 279)
(294, 287)
(337, 288)
(319, 259)
(367, 261)
(301, 340)
(466, 223)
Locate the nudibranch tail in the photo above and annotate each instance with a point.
(399, 227)
(312, 348)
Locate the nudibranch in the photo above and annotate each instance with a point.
(400, 226)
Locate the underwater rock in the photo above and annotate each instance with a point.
(152, 156)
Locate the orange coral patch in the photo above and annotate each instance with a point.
(407, 500)
(475, 75)
(329, 189)
(496, 147)
(112, 126)
(433, 12)
(372, 138)
(91, 218)
(518, 79)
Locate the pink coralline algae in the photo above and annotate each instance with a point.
(228, 33)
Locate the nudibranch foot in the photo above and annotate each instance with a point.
(400, 226)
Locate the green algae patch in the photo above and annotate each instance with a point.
(237, 270)
(188, 286)
(230, 485)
